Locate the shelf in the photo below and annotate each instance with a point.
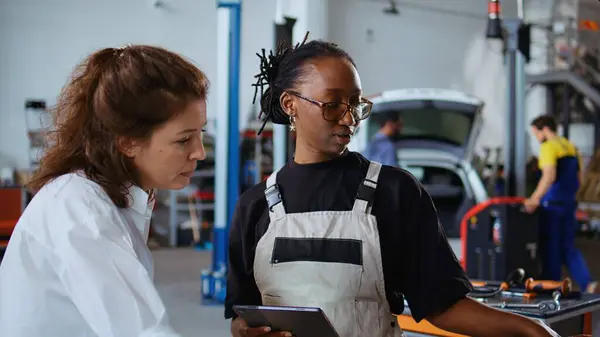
(206, 173)
(179, 204)
(38, 123)
(37, 138)
(210, 155)
(197, 207)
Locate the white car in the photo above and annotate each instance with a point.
(439, 131)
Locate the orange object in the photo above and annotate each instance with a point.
(494, 7)
(529, 296)
(504, 287)
(588, 25)
(205, 195)
(478, 283)
(587, 323)
(564, 286)
(11, 207)
(251, 134)
(407, 323)
(473, 212)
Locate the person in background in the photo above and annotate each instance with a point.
(334, 230)
(555, 197)
(382, 147)
(129, 121)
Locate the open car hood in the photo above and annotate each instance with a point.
(435, 119)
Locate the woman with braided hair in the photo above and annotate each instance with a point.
(128, 122)
(335, 231)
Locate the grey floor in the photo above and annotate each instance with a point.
(177, 277)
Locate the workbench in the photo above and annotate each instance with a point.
(576, 315)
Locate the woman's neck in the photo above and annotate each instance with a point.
(310, 155)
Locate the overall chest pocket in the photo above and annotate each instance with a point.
(321, 269)
(346, 251)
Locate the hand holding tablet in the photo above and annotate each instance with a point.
(240, 328)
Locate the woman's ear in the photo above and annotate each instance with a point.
(128, 147)
(287, 104)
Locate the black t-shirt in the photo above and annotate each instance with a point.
(417, 260)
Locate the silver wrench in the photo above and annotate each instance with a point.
(549, 305)
(540, 306)
(553, 304)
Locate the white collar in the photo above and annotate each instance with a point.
(141, 203)
(139, 200)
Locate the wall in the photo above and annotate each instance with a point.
(258, 32)
(582, 135)
(41, 42)
(540, 12)
(434, 43)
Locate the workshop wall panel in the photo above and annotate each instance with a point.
(41, 42)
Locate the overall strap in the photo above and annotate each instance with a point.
(366, 191)
(273, 197)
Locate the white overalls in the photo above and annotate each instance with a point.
(328, 259)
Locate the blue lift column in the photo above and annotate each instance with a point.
(282, 142)
(227, 145)
(280, 132)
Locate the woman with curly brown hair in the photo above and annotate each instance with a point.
(129, 121)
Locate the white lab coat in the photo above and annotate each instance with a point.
(78, 266)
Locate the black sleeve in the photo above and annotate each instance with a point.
(433, 280)
(241, 286)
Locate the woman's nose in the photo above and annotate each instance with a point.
(198, 153)
(348, 118)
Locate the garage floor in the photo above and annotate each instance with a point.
(177, 277)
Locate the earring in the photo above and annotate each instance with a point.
(292, 123)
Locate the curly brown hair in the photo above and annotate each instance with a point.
(116, 92)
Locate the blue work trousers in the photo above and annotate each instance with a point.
(557, 242)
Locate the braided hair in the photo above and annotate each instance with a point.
(282, 70)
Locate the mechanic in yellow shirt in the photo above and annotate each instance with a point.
(562, 173)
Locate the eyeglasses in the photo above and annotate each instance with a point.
(335, 111)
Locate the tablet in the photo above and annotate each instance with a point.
(300, 321)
